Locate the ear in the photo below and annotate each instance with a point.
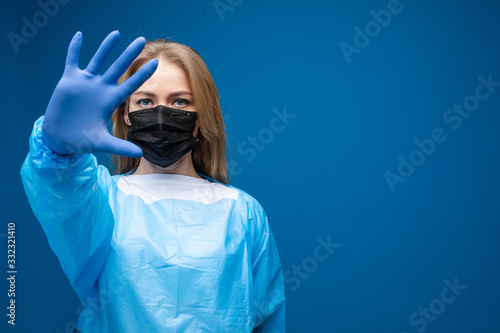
(125, 113)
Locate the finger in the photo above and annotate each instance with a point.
(116, 146)
(128, 87)
(125, 60)
(74, 50)
(103, 52)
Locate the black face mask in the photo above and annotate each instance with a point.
(164, 134)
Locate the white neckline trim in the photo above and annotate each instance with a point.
(168, 177)
(154, 187)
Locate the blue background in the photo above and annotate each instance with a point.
(322, 175)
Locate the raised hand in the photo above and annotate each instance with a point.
(78, 112)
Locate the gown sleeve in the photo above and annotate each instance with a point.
(267, 273)
(69, 196)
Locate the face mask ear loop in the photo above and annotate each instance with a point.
(198, 136)
(199, 131)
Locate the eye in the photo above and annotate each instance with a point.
(144, 102)
(181, 102)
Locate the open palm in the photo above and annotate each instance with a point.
(83, 101)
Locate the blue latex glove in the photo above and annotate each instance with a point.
(77, 116)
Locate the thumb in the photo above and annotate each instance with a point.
(114, 145)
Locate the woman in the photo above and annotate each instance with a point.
(165, 245)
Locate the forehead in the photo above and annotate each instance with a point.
(167, 78)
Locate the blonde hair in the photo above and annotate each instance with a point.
(209, 154)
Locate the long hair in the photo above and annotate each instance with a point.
(209, 154)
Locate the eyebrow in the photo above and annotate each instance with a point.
(174, 94)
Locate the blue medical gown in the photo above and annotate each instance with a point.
(156, 253)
